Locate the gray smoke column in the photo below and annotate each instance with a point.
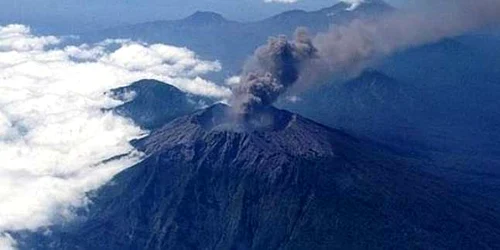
(349, 49)
(344, 51)
(272, 69)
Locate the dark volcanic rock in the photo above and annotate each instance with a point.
(275, 180)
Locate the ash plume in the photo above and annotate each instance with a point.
(345, 51)
(272, 69)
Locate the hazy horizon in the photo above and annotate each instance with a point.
(74, 16)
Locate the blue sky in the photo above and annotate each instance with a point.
(79, 15)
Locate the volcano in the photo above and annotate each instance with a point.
(274, 180)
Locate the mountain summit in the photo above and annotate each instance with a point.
(213, 36)
(273, 180)
(205, 17)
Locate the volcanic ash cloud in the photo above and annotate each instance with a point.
(272, 69)
(345, 51)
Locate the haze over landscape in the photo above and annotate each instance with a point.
(74, 16)
(249, 124)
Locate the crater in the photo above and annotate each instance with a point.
(221, 117)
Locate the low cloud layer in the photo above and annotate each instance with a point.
(54, 135)
(7, 242)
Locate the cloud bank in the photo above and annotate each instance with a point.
(54, 136)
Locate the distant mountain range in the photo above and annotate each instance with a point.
(274, 180)
(214, 37)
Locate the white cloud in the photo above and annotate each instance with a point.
(293, 99)
(53, 134)
(18, 37)
(233, 80)
(7, 242)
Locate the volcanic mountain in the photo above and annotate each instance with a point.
(274, 180)
(151, 104)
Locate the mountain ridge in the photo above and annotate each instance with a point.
(219, 18)
(206, 17)
(151, 103)
(293, 185)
